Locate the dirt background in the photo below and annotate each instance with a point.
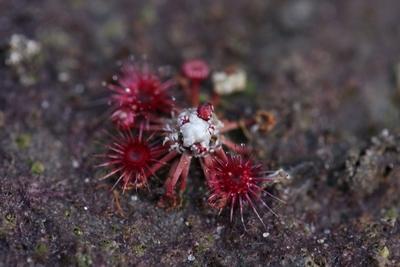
(328, 69)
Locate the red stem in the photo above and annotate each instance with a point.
(195, 93)
(233, 125)
(164, 160)
(206, 163)
(234, 147)
(171, 173)
(184, 175)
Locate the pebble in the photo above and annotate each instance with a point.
(265, 235)
(75, 163)
(191, 257)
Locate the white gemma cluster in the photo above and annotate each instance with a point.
(195, 130)
(189, 132)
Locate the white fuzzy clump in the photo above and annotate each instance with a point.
(196, 130)
(190, 133)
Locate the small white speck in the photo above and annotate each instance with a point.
(219, 229)
(85, 208)
(321, 241)
(75, 163)
(134, 198)
(187, 223)
(87, 180)
(115, 78)
(45, 104)
(191, 257)
(29, 260)
(265, 235)
(63, 77)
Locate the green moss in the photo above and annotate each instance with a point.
(37, 168)
(114, 29)
(83, 260)
(148, 15)
(9, 223)
(391, 216)
(115, 228)
(105, 244)
(309, 261)
(10, 218)
(384, 252)
(203, 97)
(23, 141)
(139, 250)
(205, 243)
(109, 245)
(41, 250)
(77, 231)
(250, 89)
(67, 213)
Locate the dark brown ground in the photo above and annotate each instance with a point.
(326, 68)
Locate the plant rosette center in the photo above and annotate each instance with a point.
(235, 178)
(137, 154)
(193, 132)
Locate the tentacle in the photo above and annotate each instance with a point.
(221, 154)
(265, 204)
(240, 149)
(232, 206)
(164, 160)
(241, 212)
(110, 174)
(254, 209)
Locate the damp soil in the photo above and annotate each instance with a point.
(328, 70)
